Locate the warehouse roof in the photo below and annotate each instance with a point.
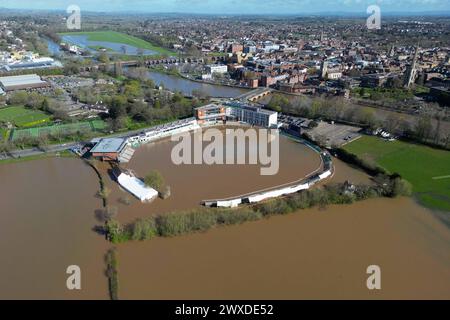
(28, 80)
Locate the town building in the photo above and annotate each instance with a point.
(373, 80)
(23, 82)
(114, 150)
(236, 47)
(211, 113)
(441, 94)
(236, 111)
(217, 68)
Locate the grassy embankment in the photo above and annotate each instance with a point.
(122, 38)
(427, 169)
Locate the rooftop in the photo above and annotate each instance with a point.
(109, 145)
(23, 80)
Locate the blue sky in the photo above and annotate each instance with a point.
(234, 6)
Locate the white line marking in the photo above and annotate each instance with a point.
(441, 178)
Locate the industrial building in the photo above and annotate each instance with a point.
(37, 63)
(236, 111)
(23, 82)
(114, 149)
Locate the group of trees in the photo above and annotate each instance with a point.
(140, 102)
(427, 127)
(200, 220)
(112, 274)
(336, 109)
(156, 181)
(394, 94)
(32, 100)
(137, 100)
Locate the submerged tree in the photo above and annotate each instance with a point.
(154, 180)
(111, 273)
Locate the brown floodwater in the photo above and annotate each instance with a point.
(47, 218)
(314, 254)
(191, 184)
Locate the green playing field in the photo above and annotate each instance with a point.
(23, 117)
(426, 168)
(72, 128)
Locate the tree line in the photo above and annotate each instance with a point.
(427, 127)
(204, 219)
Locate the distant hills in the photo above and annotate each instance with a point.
(348, 14)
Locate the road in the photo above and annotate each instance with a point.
(36, 151)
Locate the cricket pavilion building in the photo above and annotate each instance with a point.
(113, 150)
(236, 111)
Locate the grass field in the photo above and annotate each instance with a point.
(22, 117)
(118, 37)
(427, 169)
(72, 128)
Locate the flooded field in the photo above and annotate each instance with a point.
(47, 218)
(313, 254)
(191, 184)
(82, 41)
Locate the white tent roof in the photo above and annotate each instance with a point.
(137, 187)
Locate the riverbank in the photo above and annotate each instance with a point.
(215, 83)
(186, 77)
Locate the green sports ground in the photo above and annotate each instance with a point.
(71, 128)
(23, 117)
(427, 169)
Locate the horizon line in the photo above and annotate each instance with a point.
(317, 13)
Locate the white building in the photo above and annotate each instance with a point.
(334, 75)
(217, 68)
(253, 115)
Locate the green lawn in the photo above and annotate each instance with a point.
(427, 169)
(71, 128)
(118, 37)
(23, 117)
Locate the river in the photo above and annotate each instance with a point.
(174, 83)
(48, 212)
(53, 48)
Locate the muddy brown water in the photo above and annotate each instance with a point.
(47, 212)
(191, 184)
(46, 219)
(315, 254)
